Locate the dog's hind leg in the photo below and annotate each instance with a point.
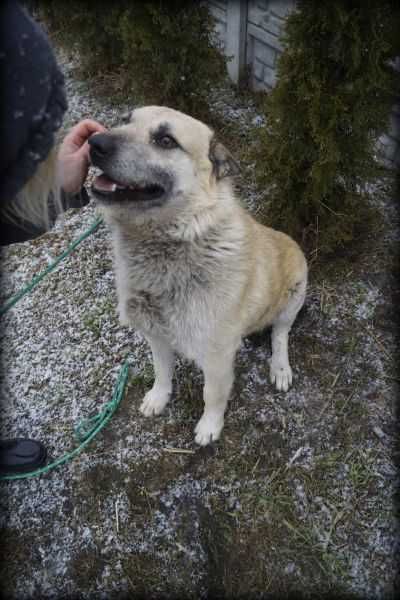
(157, 398)
(280, 371)
(218, 380)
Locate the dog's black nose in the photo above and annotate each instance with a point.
(101, 145)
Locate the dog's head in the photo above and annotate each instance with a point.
(160, 161)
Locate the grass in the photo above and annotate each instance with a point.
(93, 321)
(143, 380)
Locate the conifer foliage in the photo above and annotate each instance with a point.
(164, 51)
(332, 99)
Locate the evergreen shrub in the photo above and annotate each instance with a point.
(164, 51)
(331, 101)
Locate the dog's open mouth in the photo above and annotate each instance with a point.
(106, 189)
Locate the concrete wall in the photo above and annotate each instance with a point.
(250, 32)
(390, 141)
(231, 23)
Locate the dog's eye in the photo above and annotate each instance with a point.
(166, 141)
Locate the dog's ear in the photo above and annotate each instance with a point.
(224, 165)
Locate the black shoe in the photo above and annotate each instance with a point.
(21, 456)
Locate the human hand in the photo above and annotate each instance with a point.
(73, 155)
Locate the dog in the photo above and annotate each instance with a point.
(195, 272)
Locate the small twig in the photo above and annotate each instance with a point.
(350, 396)
(273, 476)
(335, 521)
(295, 456)
(182, 548)
(117, 515)
(295, 531)
(321, 300)
(179, 451)
(377, 341)
(335, 380)
(390, 377)
(129, 580)
(256, 465)
(331, 210)
(317, 239)
(325, 407)
(330, 395)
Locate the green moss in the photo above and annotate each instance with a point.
(143, 380)
(86, 567)
(96, 318)
(15, 556)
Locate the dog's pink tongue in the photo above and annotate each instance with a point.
(104, 184)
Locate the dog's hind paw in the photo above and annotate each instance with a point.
(208, 430)
(281, 377)
(154, 402)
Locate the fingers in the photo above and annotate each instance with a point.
(80, 133)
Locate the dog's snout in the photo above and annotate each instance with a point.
(102, 145)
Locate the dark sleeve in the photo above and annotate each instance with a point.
(18, 230)
(12, 232)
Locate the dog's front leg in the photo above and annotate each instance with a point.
(218, 380)
(157, 398)
(280, 371)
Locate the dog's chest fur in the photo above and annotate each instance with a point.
(175, 287)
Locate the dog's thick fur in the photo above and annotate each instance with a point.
(195, 272)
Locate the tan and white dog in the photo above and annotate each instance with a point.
(195, 272)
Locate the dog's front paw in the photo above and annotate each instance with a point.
(208, 430)
(154, 402)
(281, 376)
